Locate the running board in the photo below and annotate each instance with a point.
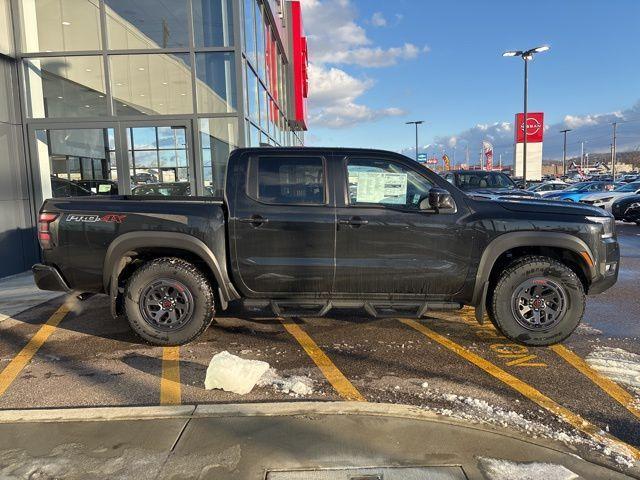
(374, 308)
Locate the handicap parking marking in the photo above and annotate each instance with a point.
(331, 372)
(17, 364)
(609, 387)
(170, 387)
(573, 419)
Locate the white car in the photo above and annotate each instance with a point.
(548, 187)
(605, 199)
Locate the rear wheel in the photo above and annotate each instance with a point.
(537, 301)
(168, 301)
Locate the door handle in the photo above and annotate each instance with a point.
(255, 220)
(353, 222)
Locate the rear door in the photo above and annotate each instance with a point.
(283, 224)
(385, 243)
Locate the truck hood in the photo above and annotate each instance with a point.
(550, 207)
(501, 192)
(598, 196)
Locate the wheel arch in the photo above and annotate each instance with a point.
(132, 244)
(578, 255)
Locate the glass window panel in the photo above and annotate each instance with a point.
(151, 84)
(262, 100)
(145, 158)
(291, 180)
(260, 46)
(255, 136)
(144, 138)
(213, 23)
(65, 87)
(167, 158)
(60, 25)
(76, 162)
(216, 82)
(252, 96)
(170, 137)
(250, 30)
(221, 138)
(142, 24)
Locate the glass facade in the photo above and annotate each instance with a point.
(146, 97)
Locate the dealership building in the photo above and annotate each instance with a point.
(138, 97)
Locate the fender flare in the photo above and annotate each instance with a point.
(116, 254)
(511, 240)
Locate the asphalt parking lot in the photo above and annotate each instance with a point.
(75, 355)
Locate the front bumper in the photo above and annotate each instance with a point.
(49, 278)
(607, 267)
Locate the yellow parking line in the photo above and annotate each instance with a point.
(609, 387)
(335, 377)
(170, 388)
(525, 389)
(11, 371)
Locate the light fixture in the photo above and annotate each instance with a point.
(66, 24)
(511, 53)
(118, 84)
(60, 98)
(141, 69)
(142, 94)
(165, 83)
(87, 70)
(87, 106)
(183, 94)
(541, 49)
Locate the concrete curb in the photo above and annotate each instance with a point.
(95, 414)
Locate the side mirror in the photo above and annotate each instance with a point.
(441, 199)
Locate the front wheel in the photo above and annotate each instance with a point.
(537, 301)
(169, 301)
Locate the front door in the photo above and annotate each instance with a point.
(282, 225)
(159, 157)
(386, 242)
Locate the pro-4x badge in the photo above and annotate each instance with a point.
(108, 218)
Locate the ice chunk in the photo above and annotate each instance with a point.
(295, 384)
(233, 374)
(619, 365)
(497, 469)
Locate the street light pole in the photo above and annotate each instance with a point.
(613, 152)
(526, 55)
(564, 151)
(416, 123)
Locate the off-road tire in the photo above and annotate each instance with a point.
(189, 276)
(500, 300)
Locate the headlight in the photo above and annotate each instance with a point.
(608, 225)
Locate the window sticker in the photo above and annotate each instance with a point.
(380, 187)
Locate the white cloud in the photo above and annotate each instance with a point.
(333, 103)
(378, 20)
(372, 57)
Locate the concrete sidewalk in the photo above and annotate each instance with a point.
(283, 441)
(19, 293)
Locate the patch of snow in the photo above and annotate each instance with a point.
(496, 469)
(233, 374)
(617, 364)
(293, 385)
(586, 329)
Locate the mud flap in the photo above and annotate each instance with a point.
(481, 308)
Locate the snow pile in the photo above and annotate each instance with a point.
(617, 364)
(233, 374)
(496, 469)
(294, 385)
(586, 329)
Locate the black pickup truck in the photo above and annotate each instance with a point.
(301, 231)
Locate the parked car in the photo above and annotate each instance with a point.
(314, 229)
(605, 199)
(61, 187)
(633, 213)
(486, 184)
(99, 187)
(577, 191)
(620, 207)
(546, 188)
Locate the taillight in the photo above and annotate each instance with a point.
(44, 232)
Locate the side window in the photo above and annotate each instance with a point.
(291, 180)
(383, 182)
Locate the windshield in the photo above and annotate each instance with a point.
(577, 187)
(629, 187)
(474, 180)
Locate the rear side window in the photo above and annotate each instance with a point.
(291, 180)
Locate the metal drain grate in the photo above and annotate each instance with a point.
(372, 473)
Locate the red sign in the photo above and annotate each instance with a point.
(432, 161)
(535, 127)
(300, 63)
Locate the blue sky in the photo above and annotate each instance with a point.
(441, 62)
